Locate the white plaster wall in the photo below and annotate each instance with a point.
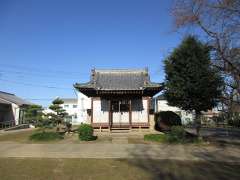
(99, 115)
(15, 110)
(70, 110)
(163, 106)
(139, 111)
(84, 103)
(186, 117)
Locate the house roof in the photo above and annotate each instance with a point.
(4, 102)
(119, 80)
(161, 97)
(11, 98)
(69, 100)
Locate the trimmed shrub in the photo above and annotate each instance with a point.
(177, 134)
(85, 132)
(166, 119)
(45, 136)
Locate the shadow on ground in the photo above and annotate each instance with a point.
(207, 168)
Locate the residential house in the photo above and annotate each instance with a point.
(161, 104)
(11, 109)
(117, 98)
(71, 107)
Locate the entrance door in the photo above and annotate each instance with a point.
(120, 113)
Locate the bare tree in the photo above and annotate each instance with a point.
(220, 21)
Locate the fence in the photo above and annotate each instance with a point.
(7, 124)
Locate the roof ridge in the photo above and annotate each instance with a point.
(7, 93)
(120, 70)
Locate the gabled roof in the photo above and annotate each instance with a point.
(119, 80)
(4, 102)
(161, 97)
(11, 98)
(69, 100)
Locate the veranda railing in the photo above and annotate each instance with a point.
(7, 124)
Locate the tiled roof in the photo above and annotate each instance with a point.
(119, 79)
(13, 99)
(4, 102)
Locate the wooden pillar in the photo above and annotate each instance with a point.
(109, 115)
(148, 108)
(91, 110)
(130, 113)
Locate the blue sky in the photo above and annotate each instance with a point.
(48, 45)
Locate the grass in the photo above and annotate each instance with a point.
(155, 137)
(114, 169)
(31, 136)
(19, 137)
(46, 136)
(23, 137)
(167, 138)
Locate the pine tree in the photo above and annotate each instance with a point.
(191, 83)
(33, 114)
(60, 113)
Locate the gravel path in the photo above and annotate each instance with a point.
(148, 151)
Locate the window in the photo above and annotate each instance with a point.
(89, 112)
(120, 106)
(74, 106)
(124, 105)
(66, 105)
(115, 106)
(75, 116)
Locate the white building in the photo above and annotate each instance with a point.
(161, 104)
(71, 107)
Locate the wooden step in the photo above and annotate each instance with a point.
(120, 130)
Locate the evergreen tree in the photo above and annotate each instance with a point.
(60, 113)
(191, 83)
(33, 114)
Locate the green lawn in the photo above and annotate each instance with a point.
(114, 169)
(23, 137)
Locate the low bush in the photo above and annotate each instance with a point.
(85, 132)
(46, 136)
(177, 134)
(166, 119)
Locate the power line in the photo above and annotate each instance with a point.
(41, 70)
(41, 74)
(34, 85)
(38, 99)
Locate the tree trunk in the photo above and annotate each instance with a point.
(198, 123)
